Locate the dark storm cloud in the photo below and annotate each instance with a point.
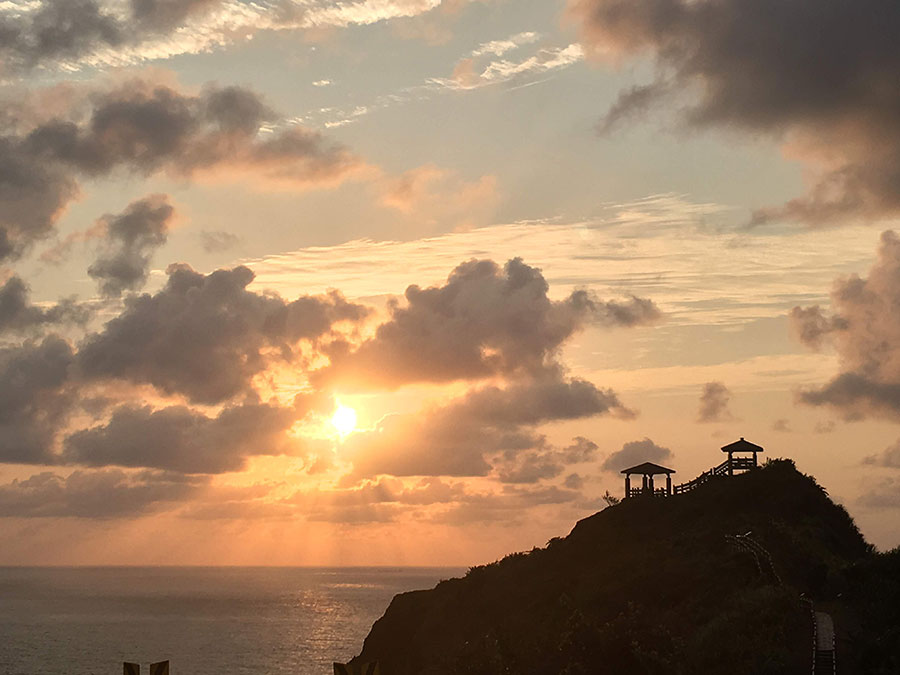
(864, 328)
(146, 128)
(183, 440)
(35, 398)
(636, 452)
(460, 438)
(714, 403)
(58, 29)
(19, 315)
(66, 30)
(486, 320)
(105, 493)
(130, 239)
(33, 195)
(206, 336)
(820, 74)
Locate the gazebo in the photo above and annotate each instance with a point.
(742, 447)
(647, 470)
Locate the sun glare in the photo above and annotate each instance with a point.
(344, 420)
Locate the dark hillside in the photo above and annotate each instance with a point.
(650, 585)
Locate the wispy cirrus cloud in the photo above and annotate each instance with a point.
(481, 67)
(473, 73)
(712, 277)
(74, 34)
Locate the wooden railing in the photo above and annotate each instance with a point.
(640, 492)
(726, 468)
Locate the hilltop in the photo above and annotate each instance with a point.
(661, 585)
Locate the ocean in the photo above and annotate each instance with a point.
(223, 620)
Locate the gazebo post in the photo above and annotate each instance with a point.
(730, 469)
(647, 471)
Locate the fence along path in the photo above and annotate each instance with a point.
(726, 468)
(823, 656)
(824, 662)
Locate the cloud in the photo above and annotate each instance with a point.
(636, 452)
(57, 29)
(473, 73)
(381, 500)
(131, 238)
(485, 321)
(464, 436)
(714, 403)
(72, 34)
(35, 398)
(811, 326)
(435, 196)
(19, 315)
(825, 427)
(508, 507)
(889, 457)
(783, 425)
(574, 481)
(207, 336)
(629, 104)
(105, 493)
(817, 74)
(179, 439)
(536, 465)
(216, 241)
(166, 14)
(864, 328)
(148, 128)
(500, 47)
(886, 495)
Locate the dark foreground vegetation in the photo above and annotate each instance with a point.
(659, 585)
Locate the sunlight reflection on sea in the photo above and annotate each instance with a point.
(264, 621)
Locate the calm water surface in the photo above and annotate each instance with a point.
(235, 621)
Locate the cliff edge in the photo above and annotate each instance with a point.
(713, 581)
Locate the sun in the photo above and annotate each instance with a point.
(344, 419)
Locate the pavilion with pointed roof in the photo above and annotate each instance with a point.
(746, 458)
(742, 456)
(647, 470)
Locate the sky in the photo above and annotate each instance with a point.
(409, 282)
